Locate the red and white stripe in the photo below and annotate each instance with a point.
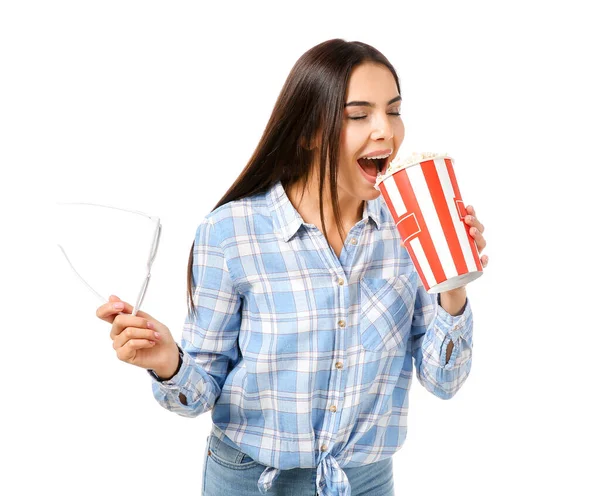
(428, 210)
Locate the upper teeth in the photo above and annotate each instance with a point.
(378, 156)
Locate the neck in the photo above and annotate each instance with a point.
(351, 208)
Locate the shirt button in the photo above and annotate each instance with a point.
(323, 447)
(332, 408)
(340, 281)
(339, 365)
(353, 241)
(342, 323)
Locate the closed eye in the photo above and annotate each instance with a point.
(364, 116)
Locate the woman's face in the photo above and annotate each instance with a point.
(370, 123)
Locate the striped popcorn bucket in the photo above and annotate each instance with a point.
(428, 210)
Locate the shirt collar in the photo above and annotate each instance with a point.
(287, 220)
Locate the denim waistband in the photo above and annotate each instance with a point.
(331, 478)
(218, 433)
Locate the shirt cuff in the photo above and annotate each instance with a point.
(177, 381)
(453, 328)
(453, 324)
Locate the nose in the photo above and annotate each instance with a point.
(382, 129)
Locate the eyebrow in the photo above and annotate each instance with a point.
(369, 104)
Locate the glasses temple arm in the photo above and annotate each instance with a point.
(104, 300)
(106, 206)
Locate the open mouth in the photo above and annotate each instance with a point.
(373, 166)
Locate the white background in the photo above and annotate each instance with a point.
(157, 106)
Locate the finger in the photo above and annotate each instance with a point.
(127, 352)
(125, 320)
(484, 261)
(478, 237)
(109, 310)
(474, 222)
(477, 224)
(129, 309)
(134, 333)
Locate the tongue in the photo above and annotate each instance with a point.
(369, 166)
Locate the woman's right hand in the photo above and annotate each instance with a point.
(135, 343)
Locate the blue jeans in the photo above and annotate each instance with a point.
(228, 471)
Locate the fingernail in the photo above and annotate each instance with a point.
(150, 325)
(157, 335)
(119, 306)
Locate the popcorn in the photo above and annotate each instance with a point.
(401, 163)
(414, 158)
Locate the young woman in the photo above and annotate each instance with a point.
(306, 312)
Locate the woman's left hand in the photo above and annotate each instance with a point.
(476, 231)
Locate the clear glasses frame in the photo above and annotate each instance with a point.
(151, 255)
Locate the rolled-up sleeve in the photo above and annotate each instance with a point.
(210, 337)
(432, 331)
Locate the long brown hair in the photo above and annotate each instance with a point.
(310, 102)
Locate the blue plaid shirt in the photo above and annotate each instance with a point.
(306, 359)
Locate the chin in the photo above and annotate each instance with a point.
(373, 194)
(366, 192)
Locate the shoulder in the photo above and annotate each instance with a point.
(239, 218)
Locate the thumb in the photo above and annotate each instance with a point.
(129, 308)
